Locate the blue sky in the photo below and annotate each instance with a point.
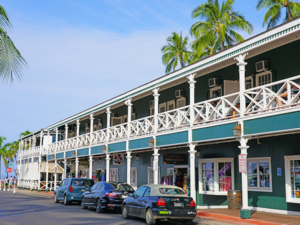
(81, 53)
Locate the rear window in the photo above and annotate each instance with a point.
(171, 191)
(121, 187)
(87, 183)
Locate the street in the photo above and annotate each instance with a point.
(31, 209)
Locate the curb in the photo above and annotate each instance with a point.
(213, 216)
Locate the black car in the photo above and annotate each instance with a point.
(159, 202)
(106, 195)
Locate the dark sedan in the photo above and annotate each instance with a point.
(106, 195)
(159, 202)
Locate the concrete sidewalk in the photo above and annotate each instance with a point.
(260, 218)
(48, 194)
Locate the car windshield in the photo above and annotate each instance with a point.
(88, 183)
(171, 191)
(122, 187)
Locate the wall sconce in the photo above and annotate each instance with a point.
(37, 158)
(53, 156)
(237, 130)
(137, 157)
(104, 149)
(100, 160)
(73, 153)
(151, 143)
(197, 154)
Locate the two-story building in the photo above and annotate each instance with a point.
(179, 130)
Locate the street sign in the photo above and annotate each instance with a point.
(9, 165)
(9, 170)
(242, 163)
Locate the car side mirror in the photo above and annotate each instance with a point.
(130, 195)
(88, 189)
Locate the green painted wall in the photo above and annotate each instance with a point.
(169, 94)
(141, 107)
(122, 169)
(142, 166)
(139, 143)
(169, 139)
(272, 123)
(117, 147)
(222, 131)
(103, 118)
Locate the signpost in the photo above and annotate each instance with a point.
(242, 163)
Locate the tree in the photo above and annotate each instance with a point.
(3, 151)
(24, 133)
(218, 21)
(175, 51)
(12, 63)
(275, 8)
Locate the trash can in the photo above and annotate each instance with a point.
(234, 199)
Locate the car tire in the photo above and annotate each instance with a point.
(99, 206)
(66, 202)
(82, 205)
(55, 199)
(125, 214)
(187, 222)
(149, 217)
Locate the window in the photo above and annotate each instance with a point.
(216, 176)
(147, 193)
(259, 174)
(151, 175)
(140, 191)
(171, 191)
(113, 174)
(248, 82)
(133, 176)
(263, 78)
(66, 182)
(217, 90)
(292, 178)
(94, 187)
(162, 107)
(100, 187)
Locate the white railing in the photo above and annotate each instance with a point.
(274, 96)
(60, 146)
(99, 136)
(84, 140)
(52, 148)
(34, 184)
(142, 126)
(118, 132)
(43, 185)
(51, 185)
(216, 109)
(71, 143)
(173, 119)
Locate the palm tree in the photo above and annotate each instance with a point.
(218, 21)
(12, 63)
(275, 8)
(3, 151)
(26, 132)
(176, 50)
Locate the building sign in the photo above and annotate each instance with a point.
(224, 169)
(242, 163)
(118, 159)
(178, 159)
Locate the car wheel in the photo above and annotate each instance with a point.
(99, 206)
(83, 204)
(55, 199)
(149, 218)
(66, 202)
(125, 214)
(187, 222)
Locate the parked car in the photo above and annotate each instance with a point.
(71, 189)
(159, 202)
(106, 195)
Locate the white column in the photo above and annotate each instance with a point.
(56, 135)
(129, 109)
(192, 82)
(66, 131)
(33, 141)
(155, 166)
(91, 130)
(39, 172)
(91, 167)
(76, 167)
(108, 112)
(77, 131)
(128, 166)
(47, 177)
(156, 105)
(65, 168)
(107, 167)
(241, 64)
(55, 173)
(192, 171)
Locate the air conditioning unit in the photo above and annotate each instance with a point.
(113, 115)
(178, 93)
(261, 66)
(151, 103)
(213, 82)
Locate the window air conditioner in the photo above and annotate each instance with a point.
(213, 82)
(151, 103)
(178, 93)
(113, 115)
(261, 66)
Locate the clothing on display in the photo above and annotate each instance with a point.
(100, 175)
(167, 180)
(179, 180)
(186, 185)
(226, 184)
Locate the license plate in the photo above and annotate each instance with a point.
(177, 204)
(83, 190)
(124, 196)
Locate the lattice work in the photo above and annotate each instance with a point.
(84, 140)
(118, 132)
(71, 143)
(142, 126)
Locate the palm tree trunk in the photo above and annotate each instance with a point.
(181, 61)
(288, 13)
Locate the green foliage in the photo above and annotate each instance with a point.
(275, 8)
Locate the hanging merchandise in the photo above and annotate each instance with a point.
(179, 180)
(103, 176)
(186, 185)
(167, 180)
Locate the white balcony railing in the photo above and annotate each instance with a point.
(71, 143)
(84, 140)
(117, 132)
(142, 126)
(99, 136)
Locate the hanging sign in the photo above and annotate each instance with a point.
(9, 170)
(178, 159)
(242, 163)
(118, 159)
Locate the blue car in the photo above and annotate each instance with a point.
(71, 189)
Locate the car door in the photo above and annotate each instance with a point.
(89, 195)
(143, 202)
(59, 190)
(133, 207)
(64, 186)
(96, 194)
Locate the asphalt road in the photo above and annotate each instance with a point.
(30, 210)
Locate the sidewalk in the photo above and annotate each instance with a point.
(260, 218)
(48, 194)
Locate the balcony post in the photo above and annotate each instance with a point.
(155, 166)
(47, 174)
(156, 105)
(91, 127)
(55, 173)
(129, 109)
(91, 167)
(65, 168)
(77, 132)
(192, 82)
(66, 134)
(192, 171)
(108, 112)
(107, 166)
(56, 135)
(128, 166)
(241, 64)
(76, 167)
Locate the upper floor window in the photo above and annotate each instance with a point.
(263, 78)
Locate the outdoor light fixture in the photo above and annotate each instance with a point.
(137, 157)
(73, 153)
(197, 154)
(37, 158)
(53, 156)
(237, 130)
(100, 160)
(104, 149)
(151, 143)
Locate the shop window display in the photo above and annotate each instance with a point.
(295, 178)
(259, 173)
(208, 176)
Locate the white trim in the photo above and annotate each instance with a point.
(249, 78)
(134, 185)
(263, 74)
(216, 162)
(288, 190)
(211, 90)
(164, 104)
(169, 103)
(261, 189)
(212, 207)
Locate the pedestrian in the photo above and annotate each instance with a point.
(14, 181)
(5, 183)
(10, 182)
(0, 183)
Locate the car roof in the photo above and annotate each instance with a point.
(155, 190)
(79, 178)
